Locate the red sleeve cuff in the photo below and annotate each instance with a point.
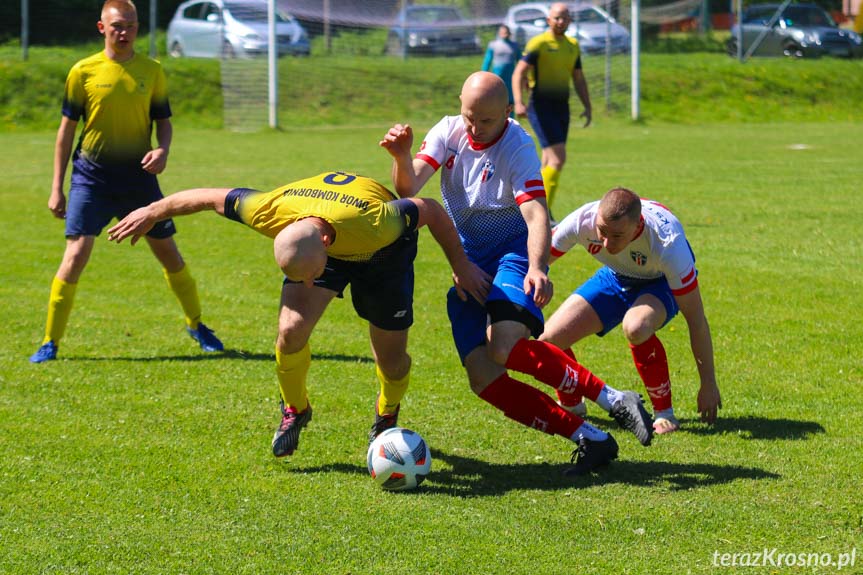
(429, 160)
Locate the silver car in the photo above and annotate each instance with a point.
(800, 30)
(431, 29)
(231, 28)
(590, 26)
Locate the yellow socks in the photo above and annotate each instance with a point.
(291, 368)
(59, 307)
(550, 178)
(183, 285)
(392, 391)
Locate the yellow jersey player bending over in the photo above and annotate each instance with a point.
(329, 231)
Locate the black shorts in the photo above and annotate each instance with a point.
(382, 289)
(549, 120)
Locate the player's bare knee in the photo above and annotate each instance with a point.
(498, 351)
(394, 365)
(477, 384)
(291, 338)
(636, 331)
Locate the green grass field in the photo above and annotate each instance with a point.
(136, 453)
(362, 89)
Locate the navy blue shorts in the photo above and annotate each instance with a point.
(382, 290)
(98, 194)
(611, 296)
(506, 301)
(549, 120)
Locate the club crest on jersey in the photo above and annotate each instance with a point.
(487, 171)
(639, 258)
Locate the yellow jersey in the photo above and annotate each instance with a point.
(553, 61)
(118, 101)
(366, 216)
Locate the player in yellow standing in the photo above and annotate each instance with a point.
(552, 59)
(120, 95)
(329, 231)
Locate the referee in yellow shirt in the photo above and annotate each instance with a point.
(120, 95)
(551, 59)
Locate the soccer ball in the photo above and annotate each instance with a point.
(399, 459)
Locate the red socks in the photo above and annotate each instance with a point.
(569, 399)
(530, 406)
(550, 365)
(652, 365)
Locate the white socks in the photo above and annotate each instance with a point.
(590, 432)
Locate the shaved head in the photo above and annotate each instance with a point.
(485, 107)
(559, 18)
(558, 8)
(485, 87)
(300, 252)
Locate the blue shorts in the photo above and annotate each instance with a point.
(98, 194)
(549, 120)
(506, 301)
(382, 290)
(611, 296)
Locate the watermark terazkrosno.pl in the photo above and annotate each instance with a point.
(773, 557)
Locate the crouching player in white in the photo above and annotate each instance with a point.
(649, 274)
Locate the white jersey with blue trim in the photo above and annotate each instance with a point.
(660, 249)
(482, 185)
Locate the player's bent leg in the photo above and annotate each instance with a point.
(301, 308)
(392, 366)
(291, 370)
(502, 337)
(573, 321)
(640, 324)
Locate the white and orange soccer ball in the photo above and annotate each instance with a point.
(399, 459)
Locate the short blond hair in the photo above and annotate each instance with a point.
(119, 5)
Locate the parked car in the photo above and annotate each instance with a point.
(801, 30)
(229, 28)
(590, 26)
(429, 29)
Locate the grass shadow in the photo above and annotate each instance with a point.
(227, 354)
(751, 427)
(469, 477)
(747, 427)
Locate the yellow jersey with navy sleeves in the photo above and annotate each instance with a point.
(118, 101)
(366, 216)
(553, 61)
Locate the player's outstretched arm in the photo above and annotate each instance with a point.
(142, 220)
(692, 308)
(467, 276)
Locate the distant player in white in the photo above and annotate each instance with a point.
(493, 191)
(649, 275)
